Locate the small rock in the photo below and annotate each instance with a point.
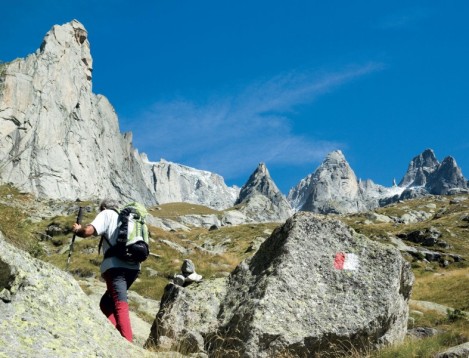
(5, 295)
(461, 351)
(422, 332)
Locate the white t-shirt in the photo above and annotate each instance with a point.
(105, 224)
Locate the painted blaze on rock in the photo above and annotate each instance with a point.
(313, 286)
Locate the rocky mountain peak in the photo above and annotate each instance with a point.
(261, 199)
(427, 158)
(303, 190)
(419, 168)
(59, 140)
(425, 175)
(333, 187)
(178, 183)
(335, 158)
(261, 168)
(71, 38)
(259, 182)
(447, 178)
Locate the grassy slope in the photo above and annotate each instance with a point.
(174, 210)
(233, 242)
(14, 219)
(447, 286)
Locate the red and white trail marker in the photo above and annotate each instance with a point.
(344, 261)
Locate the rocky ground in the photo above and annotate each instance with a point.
(139, 305)
(431, 232)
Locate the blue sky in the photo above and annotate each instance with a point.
(224, 85)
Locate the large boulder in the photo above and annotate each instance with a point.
(459, 351)
(44, 313)
(314, 286)
(187, 316)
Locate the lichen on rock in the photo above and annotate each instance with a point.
(48, 315)
(313, 286)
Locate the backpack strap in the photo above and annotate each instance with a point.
(111, 251)
(103, 237)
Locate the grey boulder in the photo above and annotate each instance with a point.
(314, 286)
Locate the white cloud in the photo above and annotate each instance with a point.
(231, 134)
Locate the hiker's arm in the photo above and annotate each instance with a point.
(86, 231)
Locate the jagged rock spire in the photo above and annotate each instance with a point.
(59, 140)
(332, 188)
(260, 198)
(425, 172)
(420, 167)
(259, 182)
(446, 178)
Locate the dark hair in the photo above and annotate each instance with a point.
(109, 204)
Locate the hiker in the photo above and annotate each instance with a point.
(118, 274)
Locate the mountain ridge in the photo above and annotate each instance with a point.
(59, 140)
(334, 188)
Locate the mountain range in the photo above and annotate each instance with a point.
(59, 140)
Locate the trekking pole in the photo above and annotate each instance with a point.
(78, 221)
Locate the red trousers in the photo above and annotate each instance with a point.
(114, 303)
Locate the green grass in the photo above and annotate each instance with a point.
(174, 210)
(454, 230)
(14, 220)
(447, 287)
(451, 333)
(421, 348)
(237, 242)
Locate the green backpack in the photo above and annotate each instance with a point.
(132, 240)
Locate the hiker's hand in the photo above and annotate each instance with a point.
(76, 227)
(83, 231)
